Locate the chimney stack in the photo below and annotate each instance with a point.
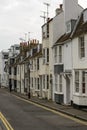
(59, 10)
(61, 6)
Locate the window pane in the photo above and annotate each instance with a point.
(83, 82)
(82, 47)
(77, 81)
(56, 83)
(60, 83)
(60, 54)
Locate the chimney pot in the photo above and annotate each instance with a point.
(61, 6)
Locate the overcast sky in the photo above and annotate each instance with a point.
(18, 17)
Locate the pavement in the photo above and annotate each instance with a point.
(0, 128)
(65, 109)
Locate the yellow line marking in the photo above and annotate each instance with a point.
(5, 122)
(54, 111)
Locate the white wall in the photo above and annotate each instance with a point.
(67, 56)
(80, 100)
(71, 9)
(58, 26)
(79, 63)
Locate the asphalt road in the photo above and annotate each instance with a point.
(25, 116)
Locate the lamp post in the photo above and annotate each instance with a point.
(29, 95)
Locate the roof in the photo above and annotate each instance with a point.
(81, 26)
(47, 22)
(79, 29)
(62, 39)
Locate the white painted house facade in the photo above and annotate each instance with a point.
(79, 51)
(57, 70)
(3, 61)
(62, 49)
(13, 52)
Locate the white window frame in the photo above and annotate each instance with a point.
(45, 56)
(60, 83)
(68, 27)
(56, 83)
(47, 81)
(55, 55)
(83, 82)
(43, 81)
(82, 46)
(77, 73)
(38, 83)
(60, 54)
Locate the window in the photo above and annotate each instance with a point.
(77, 81)
(6, 56)
(38, 64)
(47, 54)
(17, 48)
(68, 27)
(32, 82)
(60, 83)
(35, 64)
(83, 82)
(43, 81)
(44, 28)
(43, 56)
(82, 47)
(60, 54)
(55, 54)
(38, 86)
(47, 81)
(56, 82)
(47, 29)
(35, 83)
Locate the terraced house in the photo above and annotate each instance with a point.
(70, 58)
(57, 68)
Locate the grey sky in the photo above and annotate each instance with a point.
(18, 17)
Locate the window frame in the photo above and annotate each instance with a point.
(60, 83)
(56, 83)
(55, 55)
(77, 81)
(83, 82)
(82, 46)
(60, 54)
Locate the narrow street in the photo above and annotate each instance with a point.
(25, 116)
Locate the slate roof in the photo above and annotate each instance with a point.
(81, 28)
(63, 38)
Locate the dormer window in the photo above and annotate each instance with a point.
(85, 16)
(68, 27)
